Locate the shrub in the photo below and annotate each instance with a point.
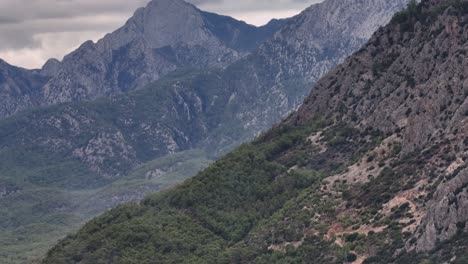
(351, 257)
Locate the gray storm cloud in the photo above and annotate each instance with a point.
(34, 30)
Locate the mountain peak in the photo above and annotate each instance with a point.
(51, 67)
(162, 23)
(167, 3)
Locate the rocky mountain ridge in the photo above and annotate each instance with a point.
(158, 39)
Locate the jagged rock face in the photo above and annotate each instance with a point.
(448, 213)
(311, 44)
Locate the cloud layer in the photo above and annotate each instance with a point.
(35, 30)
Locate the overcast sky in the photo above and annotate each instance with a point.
(32, 31)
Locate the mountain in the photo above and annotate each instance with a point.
(372, 168)
(164, 36)
(72, 161)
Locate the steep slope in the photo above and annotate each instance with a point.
(164, 36)
(372, 168)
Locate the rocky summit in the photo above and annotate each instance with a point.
(372, 168)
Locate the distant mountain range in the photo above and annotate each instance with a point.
(372, 168)
(164, 36)
(154, 102)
